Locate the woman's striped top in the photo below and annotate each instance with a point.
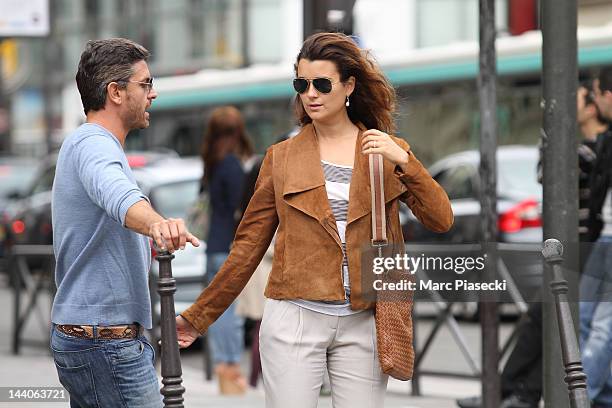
(337, 184)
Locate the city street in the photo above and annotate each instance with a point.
(34, 367)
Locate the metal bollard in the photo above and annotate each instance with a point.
(574, 374)
(171, 371)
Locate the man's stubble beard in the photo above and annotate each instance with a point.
(135, 118)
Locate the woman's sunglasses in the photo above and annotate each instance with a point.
(323, 85)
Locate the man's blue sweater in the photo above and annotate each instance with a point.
(102, 267)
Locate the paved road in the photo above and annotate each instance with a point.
(34, 367)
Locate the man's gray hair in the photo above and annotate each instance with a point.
(102, 62)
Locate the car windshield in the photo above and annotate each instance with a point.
(519, 175)
(173, 200)
(15, 178)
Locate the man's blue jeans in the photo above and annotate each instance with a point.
(106, 373)
(596, 321)
(227, 333)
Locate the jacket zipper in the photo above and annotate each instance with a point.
(328, 222)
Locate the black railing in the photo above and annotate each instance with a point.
(171, 371)
(574, 374)
(31, 272)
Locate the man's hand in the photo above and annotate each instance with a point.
(170, 234)
(185, 332)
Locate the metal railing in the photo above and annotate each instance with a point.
(574, 374)
(31, 272)
(444, 310)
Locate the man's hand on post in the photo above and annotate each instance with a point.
(170, 234)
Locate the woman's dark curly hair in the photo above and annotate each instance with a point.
(373, 101)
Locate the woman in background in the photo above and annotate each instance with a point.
(225, 146)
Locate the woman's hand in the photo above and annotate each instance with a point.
(375, 141)
(185, 332)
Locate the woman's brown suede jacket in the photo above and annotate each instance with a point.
(290, 194)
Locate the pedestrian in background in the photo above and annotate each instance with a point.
(102, 224)
(316, 317)
(251, 301)
(225, 146)
(596, 281)
(521, 378)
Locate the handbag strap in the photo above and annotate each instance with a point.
(379, 227)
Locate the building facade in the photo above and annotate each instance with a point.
(187, 37)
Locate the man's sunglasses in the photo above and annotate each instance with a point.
(147, 85)
(323, 85)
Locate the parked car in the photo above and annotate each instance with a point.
(29, 217)
(16, 174)
(173, 187)
(519, 197)
(519, 208)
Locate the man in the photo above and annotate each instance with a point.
(593, 127)
(596, 282)
(521, 379)
(101, 228)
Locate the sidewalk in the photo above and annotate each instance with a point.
(34, 367)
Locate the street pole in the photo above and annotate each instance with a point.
(245, 7)
(171, 370)
(316, 16)
(488, 200)
(5, 133)
(560, 173)
(575, 377)
(49, 85)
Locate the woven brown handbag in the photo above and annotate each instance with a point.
(393, 308)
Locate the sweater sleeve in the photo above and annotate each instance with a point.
(100, 169)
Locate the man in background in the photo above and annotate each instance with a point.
(596, 282)
(521, 379)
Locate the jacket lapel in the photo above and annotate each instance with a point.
(304, 187)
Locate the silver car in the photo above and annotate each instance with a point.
(172, 185)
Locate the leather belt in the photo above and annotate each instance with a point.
(126, 331)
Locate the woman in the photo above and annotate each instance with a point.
(225, 146)
(315, 189)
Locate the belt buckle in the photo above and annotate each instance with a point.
(78, 331)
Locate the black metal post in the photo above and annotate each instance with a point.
(245, 6)
(17, 284)
(5, 140)
(52, 70)
(316, 18)
(574, 374)
(488, 199)
(171, 371)
(308, 17)
(560, 171)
